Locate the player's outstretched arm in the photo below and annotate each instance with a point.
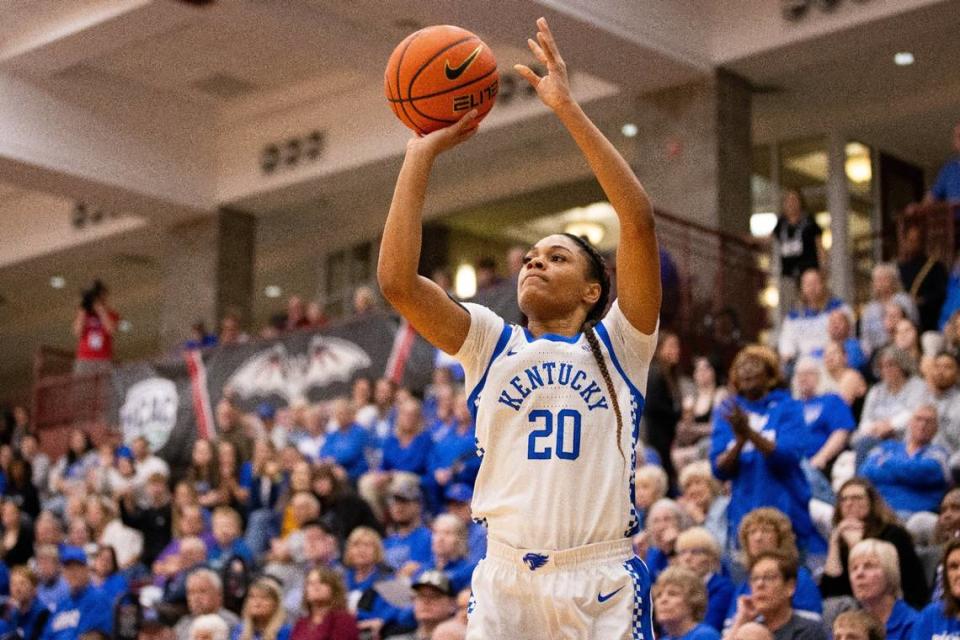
(422, 302)
(638, 257)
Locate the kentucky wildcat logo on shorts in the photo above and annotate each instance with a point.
(535, 560)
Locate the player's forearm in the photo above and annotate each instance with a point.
(614, 174)
(400, 246)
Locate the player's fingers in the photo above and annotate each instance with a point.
(527, 74)
(538, 52)
(546, 37)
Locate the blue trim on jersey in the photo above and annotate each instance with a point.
(552, 337)
(642, 623)
(636, 411)
(497, 350)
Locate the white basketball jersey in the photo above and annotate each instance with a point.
(552, 475)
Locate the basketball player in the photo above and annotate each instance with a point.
(557, 402)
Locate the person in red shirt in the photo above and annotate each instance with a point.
(94, 326)
(325, 605)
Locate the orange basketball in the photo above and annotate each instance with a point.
(438, 74)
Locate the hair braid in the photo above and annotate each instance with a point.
(591, 337)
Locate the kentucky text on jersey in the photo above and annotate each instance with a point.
(546, 374)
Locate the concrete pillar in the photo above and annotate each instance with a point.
(207, 270)
(838, 203)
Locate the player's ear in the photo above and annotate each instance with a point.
(591, 293)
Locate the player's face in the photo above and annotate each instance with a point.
(553, 281)
(670, 605)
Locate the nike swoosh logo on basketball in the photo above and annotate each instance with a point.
(603, 598)
(456, 72)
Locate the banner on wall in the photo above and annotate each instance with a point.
(172, 402)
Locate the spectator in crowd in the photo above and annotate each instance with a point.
(951, 335)
(665, 520)
(228, 543)
(20, 490)
(947, 186)
(703, 499)
(799, 246)
(840, 378)
(108, 530)
(204, 598)
(339, 503)
(941, 618)
(235, 479)
(699, 553)
(199, 338)
(263, 617)
(924, 277)
(267, 485)
(364, 301)
(750, 631)
(828, 424)
(69, 473)
(363, 561)
(202, 474)
(154, 522)
(757, 444)
(875, 578)
(146, 464)
(275, 432)
(906, 338)
(189, 523)
(773, 580)
(651, 485)
(231, 428)
(943, 392)
(453, 458)
(408, 544)
(321, 548)
(433, 603)
(316, 315)
(406, 451)
(231, 332)
(28, 615)
(663, 407)
(840, 329)
(862, 514)
(805, 329)
(887, 288)
(51, 585)
(94, 326)
(107, 576)
(693, 431)
(912, 475)
(325, 609)
(767, 531)
(458, 498)
(296, 314)
(448, 547)
(81, 610)
(39, 462)
(16, 545)
(857, 625)
(192, 556)
(679, 604)
(346, 446)
(889, 403)
(208, 627)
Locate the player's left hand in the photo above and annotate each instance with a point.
(554, 87)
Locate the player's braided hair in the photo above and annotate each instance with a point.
(598, 272)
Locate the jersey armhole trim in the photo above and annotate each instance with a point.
(505, 334)
(605, 338)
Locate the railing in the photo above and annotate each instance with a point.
(62, 398)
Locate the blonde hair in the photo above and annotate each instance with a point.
(364, 534)
(886, 555)
(212, 624)
(699, 537)
(694, 591)
(654, 474)
(700, 470)
(459, 527)
(271, 587)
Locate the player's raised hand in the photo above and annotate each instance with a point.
(554, 87)
(440, 140)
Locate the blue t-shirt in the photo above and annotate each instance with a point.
(774, 480)
(80, 613)
(719, 596)
(347, 447)
(400, 549)
(824, 415)
(412, 458)
(908, 483)
(699, 632)
(934, 623)
(457, 452)
(947, 186)
(901, 621)
(25, 622)
(656, 561)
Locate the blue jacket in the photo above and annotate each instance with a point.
(699, 632)
(933, 622)
(719, 596)
(823, 416)
(80, 613)
(901, 621)
(115, 586)
(458, 453)
(656, 562)
(412, 458)
(908, 483)
(348, 449)
(775, 480)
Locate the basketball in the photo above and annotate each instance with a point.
(438, 74)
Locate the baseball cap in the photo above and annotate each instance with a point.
(74, 555)
(124, 451)
(436, 579)
(266, 411)
(459, 492)
(405, 488)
